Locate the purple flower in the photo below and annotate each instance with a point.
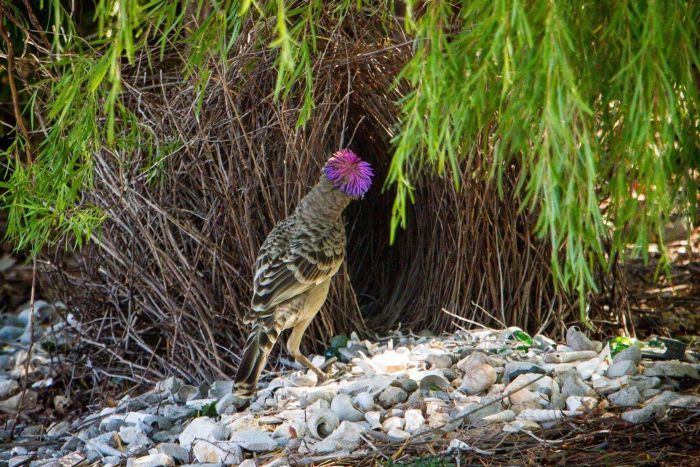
(349, 173)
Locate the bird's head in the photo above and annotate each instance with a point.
(348, 173)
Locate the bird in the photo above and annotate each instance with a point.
(295, 265)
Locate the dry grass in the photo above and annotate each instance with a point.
(163, 288)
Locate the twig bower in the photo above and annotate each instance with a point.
(164, 285)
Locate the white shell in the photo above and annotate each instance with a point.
(566, 357)
(364, 401)
(500, 417)
(544, 415)
(322, 423)
(373, 418)
(344, 409)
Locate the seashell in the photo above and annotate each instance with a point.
(413, 420)
(503, 416)
(478, 378)
(322, 423)
(364, 401)
(433, 381)
(566, 357)
(344, 409)
(373, 418)
(392, 422)
(544, 415)
(520, 425)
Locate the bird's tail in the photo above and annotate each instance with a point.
(257, 349)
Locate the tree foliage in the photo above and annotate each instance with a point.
(596, 102)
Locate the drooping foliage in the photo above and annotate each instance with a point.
(596, 103)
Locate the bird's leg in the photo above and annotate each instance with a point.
(293, 348)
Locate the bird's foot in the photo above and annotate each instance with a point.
(305, 361)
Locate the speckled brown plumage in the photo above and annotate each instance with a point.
(292, 275)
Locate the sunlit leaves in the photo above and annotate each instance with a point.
(596, 101)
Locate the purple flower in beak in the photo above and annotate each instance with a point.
(349, 173)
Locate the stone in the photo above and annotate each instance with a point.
(673, 369)
(392, 396)
(644, 382)
(621, 368)
(202, 428)
(407, 384)
(151, 460)
(439, 360)
(8, 387)
(219, 389)
(397, 434)
(632, 354)
(110, 460)
(58, 429)
(577, 340)
(133, 435)
(27, 400)
(478, 378)
(248, 463)
(514, 369)
(221, 452)
(254, 440)
(391, 361)
(573, 385)
(227, 404)
(644, 415)
(627, 397)
(173, 450)
(392, 422)
(17, 461)
(413, 420)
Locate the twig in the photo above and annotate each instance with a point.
(13, 86)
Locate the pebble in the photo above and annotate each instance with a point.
(254, 440)
(627, 397)
(413, 420)
(409, 383)
(621, 368)
(392, 396)
(673, 369)
(202, 428)
(439, 360)
(222, 452)
(151, 460)
(478, 378)
(514, 369)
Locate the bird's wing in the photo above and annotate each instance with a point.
(291, 261)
